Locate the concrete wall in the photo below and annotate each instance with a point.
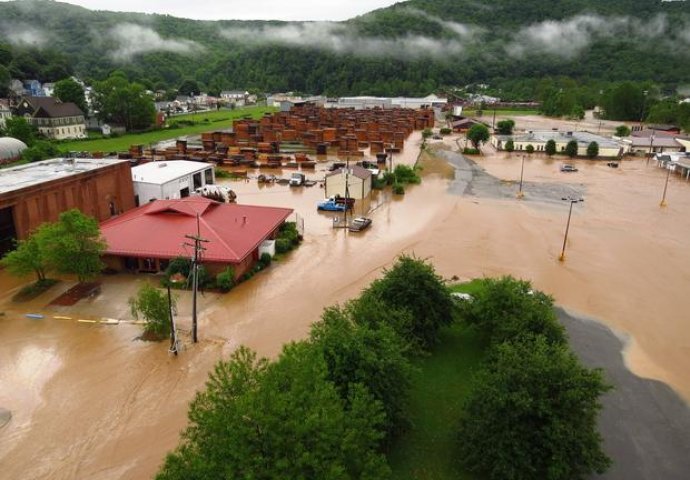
(91, 192)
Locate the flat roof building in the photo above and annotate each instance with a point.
(171, 179)
(36, 193)
(538, 139)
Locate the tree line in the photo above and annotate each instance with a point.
(332, 405)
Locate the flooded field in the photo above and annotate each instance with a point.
(91, 401)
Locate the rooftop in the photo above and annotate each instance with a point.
(30, 174)
(582, 138)
(158, 229)
(160, 173)
(356, 171)
(52, 107)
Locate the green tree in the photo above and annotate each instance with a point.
(68, 90)
(5, 78)
(571, 148)
(509, 146)
(505, 127)
(507, 309)
(622, 131)
(19, 128)
(529, 149)
(257, 419)
(120, 102)
(550, 147)
(533, 414)
(593, 150)
(73, 245)
(40, 150)
(189, 87)
(413, 286)
(359, 353)
(478, 134)
(152, 304)
(26, 259)
(624, 102)
(426, 134)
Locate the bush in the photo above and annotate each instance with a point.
(445, 131)
(593, 150)
(181, 265)
(571, 148)
(550, 147)
(398, 189)
(529, 148)
(404, 174)
(225, 280)
(220, 173)
(265, 259)
(283, 245)
(152, 304)
(470, 151)
(510, 146)
(389, 178)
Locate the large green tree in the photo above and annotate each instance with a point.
(550, 147)
(359, 353)
(26, 259)
(505, 127)
(571, 148)
(284, 419)
(152, 304)
(625, 101)
(19, 128)
(478, 134)
(68, 90)
(532, 414)
(412, 286)
(118, 101)
(593, 150)
(73, 245)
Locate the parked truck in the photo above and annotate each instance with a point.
(297, 179)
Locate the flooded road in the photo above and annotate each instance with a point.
(91, 401)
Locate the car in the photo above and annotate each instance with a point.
(331, 205)
(360, 223)
(568, 168)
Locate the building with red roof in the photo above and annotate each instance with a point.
(147, 238)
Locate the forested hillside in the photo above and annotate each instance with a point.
(411, 48)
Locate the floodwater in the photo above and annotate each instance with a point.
(91, 401)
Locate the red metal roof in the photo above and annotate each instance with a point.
(158, 229)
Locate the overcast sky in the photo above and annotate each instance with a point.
(243, 9)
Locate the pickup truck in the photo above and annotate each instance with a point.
(330, 205)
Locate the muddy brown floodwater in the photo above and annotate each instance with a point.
(88, 400)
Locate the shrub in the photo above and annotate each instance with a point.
(283, 245)
(404, 174)
(220, 173)
(529, 148)
(550, 147)
(398, 189)
(571, 149)
(181, 265)
(510, 146)
(265, 259)
(152, 304)
(445, 131)
(470, 151)
(225, 280)
(593, 150)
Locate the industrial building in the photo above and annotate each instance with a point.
(38, 192)
(170, 180)
(608, 148)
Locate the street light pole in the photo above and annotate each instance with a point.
(522, 171)
(567, 226)
(663, 198)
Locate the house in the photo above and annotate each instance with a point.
(608, 148)
(236, 97)
(5, 111)
(53, 119)
(147, 238)
(170, 180)
(647, 142)
(463, 124)
(32, 88)
(359, 182)
(38, 192)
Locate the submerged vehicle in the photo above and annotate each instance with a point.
(360, 223)
(331, 205)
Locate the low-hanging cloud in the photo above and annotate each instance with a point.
(569, 38)
(132, 39)
(24, 35)
(341, 38)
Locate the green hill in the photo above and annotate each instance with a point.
(412, 47)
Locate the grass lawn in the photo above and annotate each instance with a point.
(205, 122)
(442, 381)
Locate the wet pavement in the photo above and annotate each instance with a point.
(89, 400)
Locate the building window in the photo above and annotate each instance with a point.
(196, 178)
(208, 174)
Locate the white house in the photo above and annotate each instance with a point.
(236, 97)
(358, 180)
(170, 179)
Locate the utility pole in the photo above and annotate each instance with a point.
(567, 226)
(173, 334)
(668, 175)
(522, 170)
(195, 272)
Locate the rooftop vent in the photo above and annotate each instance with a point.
(162, 164)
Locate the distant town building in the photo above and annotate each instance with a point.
(147, 238)
(48, 89)
(170, 180)
(53, 119)
(38, 192)
(364, 102)
(538, 139)
(5, 111)
(32, 88)
(651, 141)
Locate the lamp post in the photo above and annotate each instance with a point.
(567, 226)
(520, 194)
(668, 175)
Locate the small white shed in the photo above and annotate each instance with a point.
(358, 179)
